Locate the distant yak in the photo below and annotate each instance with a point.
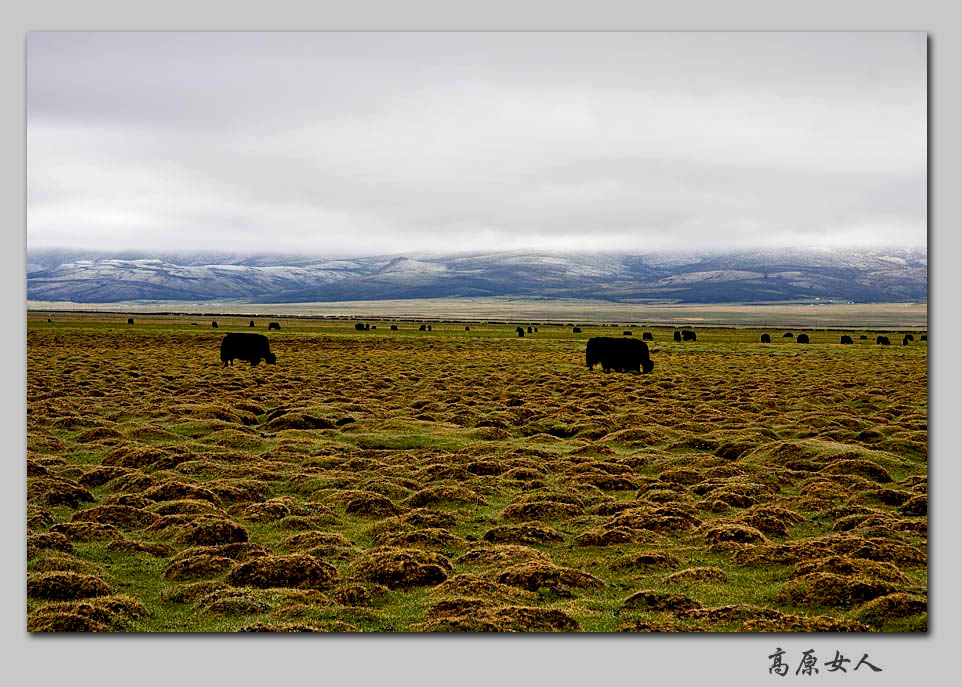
(862, 337)
(359, 326)
(393, 327)
(883, 340)
(905, 340)
(423, 328)
(373, 326)
(214, 324)
(535, 330)
(274, 325)
(130, 320)
(677, 336)
(647, 336)
(766, 338)
(621, 355)
(910, 337)
(429, 327)
(249, 347)
(520, 331)
(787, 335)
(627, 332)
(802, 338)
(846, 339)
(924, 337)
(467, 329)
(530, 330)
(687, 335)
(576, 330)
(252, 324)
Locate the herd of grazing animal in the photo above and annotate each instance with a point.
(618, 354)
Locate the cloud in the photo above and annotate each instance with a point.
(346, 143)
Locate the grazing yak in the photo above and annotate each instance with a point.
(530, 330)
(535, 330)
(766, 338)
(249, 347)
(647, 336)
(373, 326)
(520, 331)
(393, 327)
(677, 336)
(687, 335)
(359, 327)
(846, 339)
(251, 324)
(49, 320)
(130, 320)
(429, 327)
(883, 340)
(924, 337)
(862, 337)
(214, 324)
(905, 341)
(467, 329)
(802, 338)
(423, 328)
(788, 335)
(618, 354)
(576, 330)
(274, 325)
(910, 337)
(627, 332)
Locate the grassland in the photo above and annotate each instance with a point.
(470, 480)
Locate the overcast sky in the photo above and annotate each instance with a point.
(383, 143)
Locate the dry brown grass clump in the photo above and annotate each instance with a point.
(844, 565)
(525, 533)
(198, 566)
(87, 531)
(884, 609)
(294, 570)
(917, 505)
(185, 507)
(330, 626)
(724, 532)
(126, 517)
(103, 614)
(541, 510)
(770, 519)
(536, 575)
(829, 589)
(174, 490)
(47, 541)
(475, 615)
(466, 585)
(803, 623)
(371, 504)
(650, 600)
(399, 568)
(65, 586)
(501, 556)
(55, 491)
(210, 530)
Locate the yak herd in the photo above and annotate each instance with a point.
(612, 353)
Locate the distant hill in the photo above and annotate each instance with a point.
(865, 275)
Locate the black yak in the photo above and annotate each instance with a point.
(788, 335)
(130, 320)
(910, 337)
(373, 326)
(429, 327)
(766, 338)
(520, 331)
(214, 324)
(393, 327)
(529, 330)
(618, 354)
(359, 327)
(274, 325)
(677, 336)
(423, 328)
(862, 337)
(535, 330)
(251, 324)
(249, 347)
(687, 335)
(802, 338)
(627, 332)
(576, 330)
(467, 329)
(882, 340)
(846, 339)
(905, 340)
(924, 337)
(647, 336)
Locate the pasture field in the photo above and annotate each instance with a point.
(460, 480)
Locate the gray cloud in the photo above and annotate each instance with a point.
(341, 143)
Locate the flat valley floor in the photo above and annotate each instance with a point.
(458, 480)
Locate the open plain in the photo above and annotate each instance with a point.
(461, 479)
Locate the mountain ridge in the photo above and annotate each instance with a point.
(769, 275)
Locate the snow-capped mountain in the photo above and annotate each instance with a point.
(865, 275)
